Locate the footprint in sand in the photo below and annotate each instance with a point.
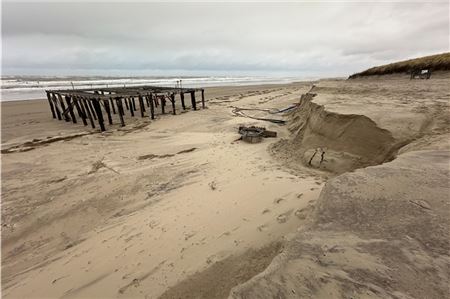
(278, 200)
(262, 228)
(282, 218)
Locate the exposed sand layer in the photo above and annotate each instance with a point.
(134, 210)
(358, 123)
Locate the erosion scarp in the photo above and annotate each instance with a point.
(334, 142)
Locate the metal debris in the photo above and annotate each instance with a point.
(255, 134)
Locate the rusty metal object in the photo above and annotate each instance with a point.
(255, 134)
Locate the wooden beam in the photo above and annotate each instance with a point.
(112, 106)
(55, 103)
(108, 111)
(134, 103)
(70, 107)
(194, 104)
(51, 104)
(63, 107)
(152, 108)
(120, 110)
(141, 105)
(98, 110)
(182, 100)
(172, 99)
(131, 106)
(89, 101)
(163, 104)
(203, 99)
(80, 111)
(88, 112)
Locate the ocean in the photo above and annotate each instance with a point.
(33, 87)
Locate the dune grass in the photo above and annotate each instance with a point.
(438, 62)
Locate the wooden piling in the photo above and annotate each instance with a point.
(194, 104)
(89, 101)
(120, 110)
(182, 100)
(51, 105)
(55, 103)
(63, 107)
(163, 104)
(172, 99)
(108, 111)
(79, 110)
(152, 108)
(203, 99)
(70, 107)
(131, 106)
(134, 103)
(88, 112)
(141, 105)
(98, 110)
(112, 106)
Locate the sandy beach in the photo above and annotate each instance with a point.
(142, 207)
(178, 206)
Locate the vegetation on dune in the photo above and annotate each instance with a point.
(438, 62)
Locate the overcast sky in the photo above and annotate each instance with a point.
(185, 38)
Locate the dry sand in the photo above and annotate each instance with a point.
(132, 211)
(177, 206)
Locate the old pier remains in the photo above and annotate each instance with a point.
(94, 104)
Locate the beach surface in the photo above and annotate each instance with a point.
(179, 207)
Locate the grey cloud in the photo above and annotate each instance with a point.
(220, 38)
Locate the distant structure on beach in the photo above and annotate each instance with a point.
(91, 104)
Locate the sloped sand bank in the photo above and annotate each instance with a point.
(335, 142)
(379, 232)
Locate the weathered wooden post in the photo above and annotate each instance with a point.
(61, 102)
(141, 105)
(131, 106)
(163, 105)
(203, 99)
(182, 100)
(89, 101)
(55, 102)
(89, 114)
(120, 110)
(112, 106)
(108, 111)
(70, 107)
(126, 104)
(172, 99)
(194, 104)
(152, 108)
(51, 104)
(98, 110)
(134, 103)
(79, 110)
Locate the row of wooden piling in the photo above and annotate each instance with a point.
(90, 107)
